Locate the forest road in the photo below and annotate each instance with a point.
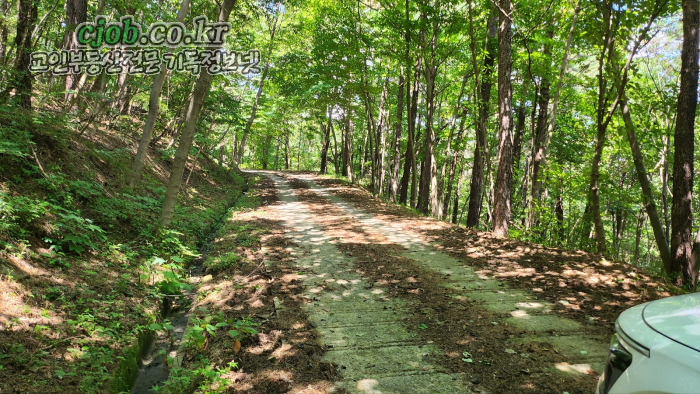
(387, 304)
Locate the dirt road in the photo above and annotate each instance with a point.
(398, 315)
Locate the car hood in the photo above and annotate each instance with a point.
(677, 318)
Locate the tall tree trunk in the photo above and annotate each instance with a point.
(603, 119)
(601, 126)
(455, 205)
(520, 128)
(336, 157)
(504, 180)
(458, 114)
(664, 185)
(538, 142)
(347, 149)
(410, 167)
(477, 179)
(27, 14)
(153, 108)
(560, 83)
(261, 86)
(287, 152)
(638, 236)
(326, 132)
(122, 81)
(414, 168)
(649, 202)
(684, 144)
(558, 236)
(381, 135)
(4, 8)
(76, 13)
(251, 118)
(429, 193)
(453, 168)
(370, 152)
(200, 91)
(397, 140)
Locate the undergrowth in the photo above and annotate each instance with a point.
(83, 264)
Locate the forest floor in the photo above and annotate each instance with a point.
(79, 283)
(362, 296)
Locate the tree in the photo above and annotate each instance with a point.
(684, 146)
(272, 20)
(153, 109)
(501, 212)
(477, 179)
(22, 79)
(195, 106)
(76, 13)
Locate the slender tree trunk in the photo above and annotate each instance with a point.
(251, 118)
(603, 119)
(410, 167)
(684, 144)
(429, 193)
(287, 152)
(343, 148)
(520, 128)
(261, 86)
(336, 165)
(153, 108)
(200, 91)
(649, 202)
(601, 125)
(122, 81)
(414, 169)
(559, 214)
(381, 135)
(538, 143)
(455, 205)
(477, 179)
(453, 168)
(548, 121)
(504, 180)
(664, 185)
(325, 131)
(458, 114)
(397, 140)
(347, 149)
(695, 262)
(638, 236)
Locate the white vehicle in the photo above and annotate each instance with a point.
(655, 349)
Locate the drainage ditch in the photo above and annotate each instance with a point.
(144, 365)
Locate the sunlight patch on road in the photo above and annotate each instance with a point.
(582, 369)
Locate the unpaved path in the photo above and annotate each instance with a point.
(372, 335)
